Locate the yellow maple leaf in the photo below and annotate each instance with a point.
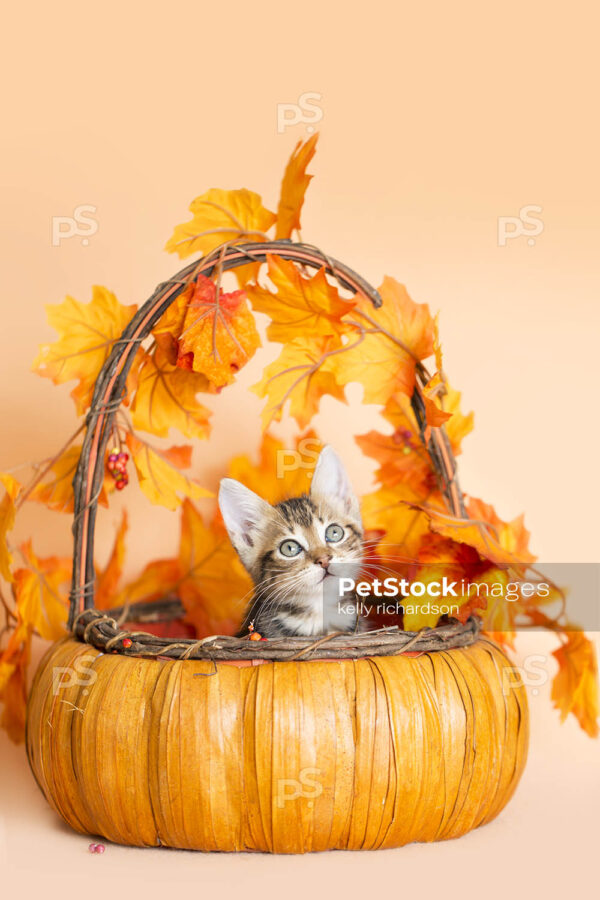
(159, 473)
(299, 377)
(293, 187)
(55, 490)
(395, 337)
(214, 585)
(301, 306)
(108, 579)
(575, 686)
(221, 216)
(166, 397)
(40, 592)
(219, 335)
(87, 334)
(7, 520)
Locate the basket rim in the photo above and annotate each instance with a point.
(106, 630)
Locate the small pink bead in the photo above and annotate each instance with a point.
(92, 848)
(100, 848)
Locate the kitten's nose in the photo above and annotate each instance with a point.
(323, 561)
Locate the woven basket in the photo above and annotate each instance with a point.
(351, 741)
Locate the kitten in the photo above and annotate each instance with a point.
(296, 551)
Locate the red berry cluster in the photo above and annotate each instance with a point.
(96, 848)
(117, 466)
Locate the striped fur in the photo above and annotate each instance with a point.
(298, 595)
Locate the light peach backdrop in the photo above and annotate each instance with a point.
(436, 119)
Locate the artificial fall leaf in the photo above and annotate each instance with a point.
(166, 398)
(504, 543)
(108, 579)
(301, 377)
(168, 329)
(55, 490)
(403, 460)
(40, 593)
(459, 425)
(301, 306)
(219, 334)
(575, 686)
(417, 612)
(159, 473)
(437, 346)
(14, 660)
(218, 217)
(160, 578)
(434, 413)
(281, 471)
(403, 527)
(293, 187)
(214, 586)
(456, 424)
(395, 337)
(87, 332)
(7, 520)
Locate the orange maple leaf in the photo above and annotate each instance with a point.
(504, 543)
(301, 306)
(214, 586)
(107, 581)
(575, 686)
(158, 579)
(293, 187)
(87, 335)
(14, 660)
(216, 336)
(389, 512)
(402, 456)
(40, 592)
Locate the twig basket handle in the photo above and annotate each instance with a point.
(110, 388)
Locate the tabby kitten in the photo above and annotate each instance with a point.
(296, 551)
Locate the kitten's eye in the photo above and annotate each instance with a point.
(334, 533)
(290, 548)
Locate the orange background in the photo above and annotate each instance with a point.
(436, 120)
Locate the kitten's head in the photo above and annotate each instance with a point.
(297, 543)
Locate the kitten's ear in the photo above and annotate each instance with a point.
(330, 479)
(243, 513)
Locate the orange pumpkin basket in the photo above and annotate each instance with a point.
(352, 741)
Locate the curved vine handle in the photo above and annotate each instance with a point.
(110, 387)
